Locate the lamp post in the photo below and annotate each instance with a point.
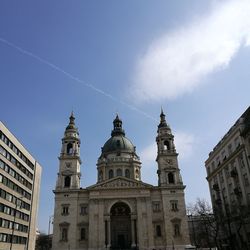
(50, 222)
(14, 221)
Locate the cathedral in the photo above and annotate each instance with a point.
(120, 211)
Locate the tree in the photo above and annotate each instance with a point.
(43, 242)
(204, 229)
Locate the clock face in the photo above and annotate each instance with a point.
(169, 161)
(67, 164)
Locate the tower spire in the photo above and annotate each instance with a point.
(117, 127)
(163, 122)
(71, 125)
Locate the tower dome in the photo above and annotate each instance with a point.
(118, 141)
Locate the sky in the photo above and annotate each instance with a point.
(99, 58)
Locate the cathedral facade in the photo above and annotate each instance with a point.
(120, 211)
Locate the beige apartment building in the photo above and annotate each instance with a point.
(20, 177)
(119, 211)
(228, 175)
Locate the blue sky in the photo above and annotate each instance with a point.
(132, 57)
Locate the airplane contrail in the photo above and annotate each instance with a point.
(55, 67)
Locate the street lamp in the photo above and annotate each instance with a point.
(50, 223)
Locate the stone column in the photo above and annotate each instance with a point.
(109, 232)
(132, 232)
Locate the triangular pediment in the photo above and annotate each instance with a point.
(121, 183)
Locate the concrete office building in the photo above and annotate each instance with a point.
(228, 175)
(20, 177)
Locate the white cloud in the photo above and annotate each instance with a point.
(184, 144)
(149, 167)
(177, 62)
(148, 154)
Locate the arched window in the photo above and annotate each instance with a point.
(70, 149)
(118, 172)
(127, 173)
(111, 173)
(170, 178)
(166, 145)
(158, 230)
(67, 181)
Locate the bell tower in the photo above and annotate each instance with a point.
(69, 159)
(168, 170)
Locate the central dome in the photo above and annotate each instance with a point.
(118, 141)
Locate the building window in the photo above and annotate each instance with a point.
(1, 164)
(218, 161)
(83, 233)
(174, 205)
(3, 151)
(176, 230)
(176, 225)
(119, 172)
(70, 149)
(67, 181)
(65, 209)
(170, 178)
(64, 234)
(158, 230)
(127, 173)
(111, 173)
(156, 207)
(166, 145)
(64, 231)
(83, 209)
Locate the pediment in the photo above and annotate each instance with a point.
(120, 182)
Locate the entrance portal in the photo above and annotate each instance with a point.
(120, 226)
